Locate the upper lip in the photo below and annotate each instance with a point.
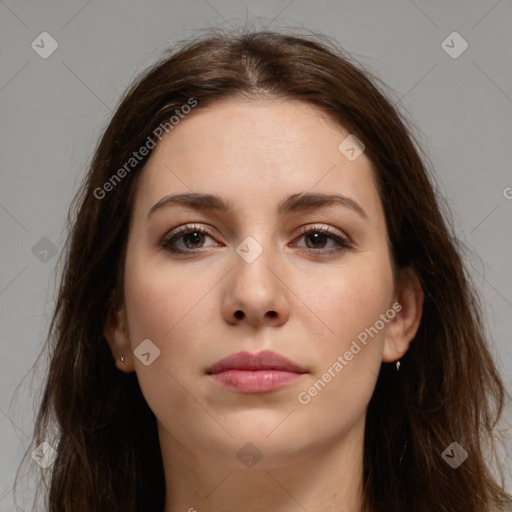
(265, 360)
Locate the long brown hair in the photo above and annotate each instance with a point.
(448, 387)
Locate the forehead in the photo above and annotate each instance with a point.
(258, 152)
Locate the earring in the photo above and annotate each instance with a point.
(398, 366)
(122, 359)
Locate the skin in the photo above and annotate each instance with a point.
(254, 154)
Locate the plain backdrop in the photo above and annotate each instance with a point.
(53, 110)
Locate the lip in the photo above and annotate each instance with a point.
(255, 373)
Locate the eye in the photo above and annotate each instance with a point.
(191, 237)
(317, 237)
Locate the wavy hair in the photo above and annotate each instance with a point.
(448, 388)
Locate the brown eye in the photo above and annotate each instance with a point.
(189, 238)
(186, 239)
(194, 237)
(318, 237)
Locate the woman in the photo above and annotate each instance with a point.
(259, 248)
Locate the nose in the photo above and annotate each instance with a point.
(257, 293)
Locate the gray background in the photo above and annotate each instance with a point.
(53, 110)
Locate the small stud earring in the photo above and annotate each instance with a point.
(398, 366)
(122, 359)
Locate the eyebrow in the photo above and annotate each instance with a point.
(294, 203)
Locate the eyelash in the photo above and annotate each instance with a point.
(178, 233)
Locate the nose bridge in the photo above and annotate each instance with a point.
(255, 256)
(255, 291)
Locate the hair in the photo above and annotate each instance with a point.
(448, 388)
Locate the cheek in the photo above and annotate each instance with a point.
(170, 307)
(348, 300)
(350, 305)
(348, 362)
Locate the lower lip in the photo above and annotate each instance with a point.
(255, 381)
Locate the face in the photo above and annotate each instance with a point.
(311, 281)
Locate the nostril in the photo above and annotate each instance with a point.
(272, 314)
(239, 314)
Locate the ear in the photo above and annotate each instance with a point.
(404, 326)
(116, 334)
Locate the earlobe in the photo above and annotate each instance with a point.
(404, 326)
(116, 334)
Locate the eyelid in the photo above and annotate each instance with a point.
(344, 242)
(324, 228)
(185, 228)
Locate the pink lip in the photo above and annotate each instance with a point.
(254, 373)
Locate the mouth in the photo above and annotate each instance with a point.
(262, 372)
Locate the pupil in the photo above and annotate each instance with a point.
(316, 238)
(194, 237)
